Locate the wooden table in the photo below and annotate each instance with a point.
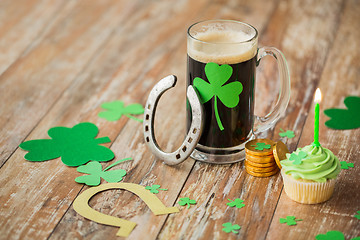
(59, 60)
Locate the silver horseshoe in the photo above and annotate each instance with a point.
(193, 136)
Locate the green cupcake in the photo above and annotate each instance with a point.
(309, 174)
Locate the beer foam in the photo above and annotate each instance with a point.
(222, 46)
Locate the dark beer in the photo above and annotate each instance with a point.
(237, 121)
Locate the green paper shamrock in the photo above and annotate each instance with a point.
(116, 109)
(236, 203)
(345, 165)
(94, 169)
(357, 215)
(288, 133)
(261, 146)
(331, 235)
(155, 188)
(345, 118)
(186, 201)
(217, 76)
(76, 146)
(289, 220)
(298, 158)
(228, 228)
(356, 238)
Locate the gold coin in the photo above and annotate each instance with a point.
(260, 169)
(268, 174)
(259, 154)
(260, 159)
(280, 151)
(255, 164)
(259, 144)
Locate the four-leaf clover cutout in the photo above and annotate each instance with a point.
(298, 158)
(345, 165)
(228, 94)
(186, 201)
(94, 169)
(289, 220)
(155, 188)
(116, 109)
(236, 203)
(229, 227)
(345, 118)
(76, 146)
(288, 133)
(261, 146)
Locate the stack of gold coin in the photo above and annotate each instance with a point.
(263, 157)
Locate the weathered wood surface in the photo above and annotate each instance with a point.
(32, 84)
(80, 54)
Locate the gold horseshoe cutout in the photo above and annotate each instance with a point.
(81, 206)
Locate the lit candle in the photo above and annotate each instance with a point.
(317, 100)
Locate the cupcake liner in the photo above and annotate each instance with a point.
(308, 192)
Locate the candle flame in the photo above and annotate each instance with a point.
(317, 96)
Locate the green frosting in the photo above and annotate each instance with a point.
(319, 165)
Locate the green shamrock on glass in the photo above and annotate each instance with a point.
(228, 94)
(221, 66)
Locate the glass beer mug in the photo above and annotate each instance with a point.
(222, 56)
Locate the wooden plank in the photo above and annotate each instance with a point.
(17, 34)
(212, 185)
(47, 69)
(340, 78)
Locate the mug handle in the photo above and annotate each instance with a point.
(263, 123)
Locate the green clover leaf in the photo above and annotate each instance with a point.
(94, 169)
(116, 109)
(357, 215)
(345, 118)
(76, 146)
(345, 165)
(186, 201)
(155, 188)
(331, 235)
(288, 133)
(289, 220)
(228, 94)
(236, 203)
(229, 227)
(261, 146)
(298, 158)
